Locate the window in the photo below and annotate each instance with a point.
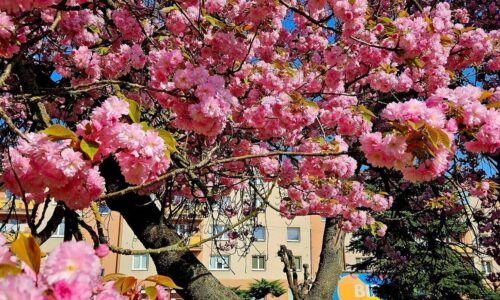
(293, 234)
(258, 202)
(216, 229)
(487, 267)
(259, 263)
(11, 226)
(260, 234)
(298, 263)
(59, 230)
(140, 262)
(182, 229)
(219, 262)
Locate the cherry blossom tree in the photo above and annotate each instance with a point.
(138, 103)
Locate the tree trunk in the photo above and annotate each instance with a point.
(143, 216)
(331, 262)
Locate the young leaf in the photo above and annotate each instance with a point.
(90, 148)
(125, 284)
(113, 276)
(8, 269)
(163, 280)
(443, 138)
(433, 135)
(27, 250)
(58, 132)
(495, 104)
(485, 95)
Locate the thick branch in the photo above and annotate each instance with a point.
(51, 225)
(142, 216)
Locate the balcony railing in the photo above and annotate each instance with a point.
(7, 204)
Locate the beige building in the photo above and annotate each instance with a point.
(303, 236)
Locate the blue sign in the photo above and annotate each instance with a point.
(356, 286)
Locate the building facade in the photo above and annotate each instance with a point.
(302, 235)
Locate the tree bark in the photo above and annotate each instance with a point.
(142, 215)
(331, 262)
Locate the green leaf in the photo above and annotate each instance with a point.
(215, 22)
(58, 132)
(102, 50)
(93, 28)
(27, 250)
(365, 110)
(310, 104)
(151, 292)
(90, 148)
(163, 280)
(169, 9)
(416, 126)
(168, 138)
(415, 62)
(385, 20)
(133, 107)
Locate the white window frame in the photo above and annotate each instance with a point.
(259, 259)
(182, 229)
(223, 260)
(60, 230)
(488, 263)
(287, 237)
(215, 229)
(263, 231)
(141, 258)
(298, 267)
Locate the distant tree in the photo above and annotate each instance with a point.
(421, 255)
(259, 289)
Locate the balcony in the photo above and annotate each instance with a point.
(6, 205)
(194, 240)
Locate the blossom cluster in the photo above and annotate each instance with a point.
(403, 150)
(71, 271)
(139, 152)
(39, 167)
(479, 119)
